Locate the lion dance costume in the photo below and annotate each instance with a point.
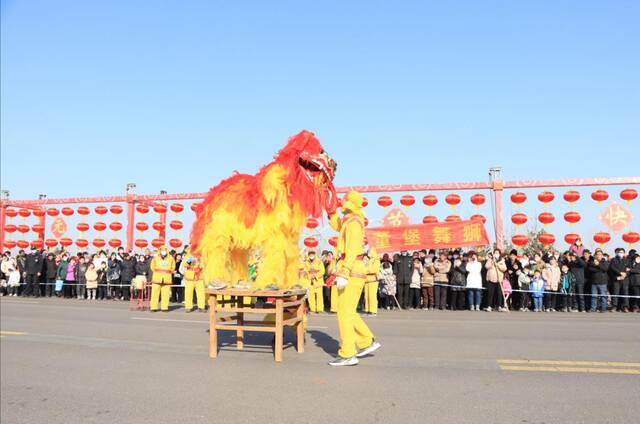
(351, 274)
(265, 214)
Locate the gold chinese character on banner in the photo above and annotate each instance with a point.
(412, 237)
(441, 235)
(472, 233)
(382, 239)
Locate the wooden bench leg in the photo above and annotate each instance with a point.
(279, 330)
(213, 333)
(300, 328)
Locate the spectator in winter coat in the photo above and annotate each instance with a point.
(81, 279)
(91, 277)
(113, 277)
(457, 282)
(577, 248)
(537, 289)
(33, 270)
(70, 279)
(403, 270)
(428, 279)
(524, 283)
(618, 275)
(441, 279)
(387, 280)
(598, 270)
(474, 281)
(496, 267)
(127, 274)
(50, 272)
(61, 274)
(551, 275)
(566, 288)
(577, 267)
(416, 281)
(634, 279)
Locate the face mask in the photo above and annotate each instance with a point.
(620, 255)
(311, 258)
(455, 256)
(163, 254)
(578, 243)
(638, 259)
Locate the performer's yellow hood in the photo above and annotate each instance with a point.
(352, 202)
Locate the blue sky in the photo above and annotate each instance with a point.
(175, 95)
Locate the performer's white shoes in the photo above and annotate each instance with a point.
(369, 350)
(344, 362)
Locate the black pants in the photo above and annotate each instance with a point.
(578, 299)
(49, 287)
(525, 299)
(635, 291)
(550, 299)
(69, 288)
(415, 298)
(101, 292)
(125, 290)
(403, 295)
(326, 294)
(457, 300)
(32, 287)
(440, 294)
(494, 295)
(620, 288)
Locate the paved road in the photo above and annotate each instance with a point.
(68, 361)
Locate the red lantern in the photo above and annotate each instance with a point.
(157, 243)
(571, 196)
(407, 200)
(99, 226)
(66, 242)
(23, 228)
(602, 237)
(628, 194)
(600, 196)
(176, 224)
(82, 227)
(141, 243)
(546, 197)
(385, 201)
(160, 209)
(312, 223)
(310, 242)
(520, 240)
(99, 243)
(51, 243)
(631, 237)
(158, 226)
(365, 202)
(572, 217)
(82, 243)
(518, 198)
(24, 213)
(115, 226)
(83, 210)
(67, 211)
(547, 239)
(452, 200)
(38, 244)
(430, 200)
(366, 221)
(175, 243)
(333, 241)
(571, 238)
(22, 244)
(37, 228)
(519, 218)
(9, 244)
(478, 199)
(453, 218)
(478, 217)
(10, 228)
(177, 208)
(195, 207)
(142, 226)
(101, 210)
(115, 243)
(39, 212)
(52, 212)
(11, 213)
(142, 208)
(116, 209)
(546, 218)
(429, 219)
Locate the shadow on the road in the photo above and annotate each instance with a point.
(325, 342)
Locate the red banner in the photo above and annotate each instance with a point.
(428, 236)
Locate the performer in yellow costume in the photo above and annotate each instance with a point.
(371, 285)
(191, 270)
(162, 268)
(314, 273)
(350, 279)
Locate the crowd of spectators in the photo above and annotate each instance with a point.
(573, 281)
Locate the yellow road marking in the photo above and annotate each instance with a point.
(568, 363)
(571, 369)
(11, 333)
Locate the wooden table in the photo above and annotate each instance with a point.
(287, 305)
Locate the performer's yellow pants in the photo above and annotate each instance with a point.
(316, 301)
(162, 293)
(353, 331)
(189, 287)
(371, 297)
(334, 299)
